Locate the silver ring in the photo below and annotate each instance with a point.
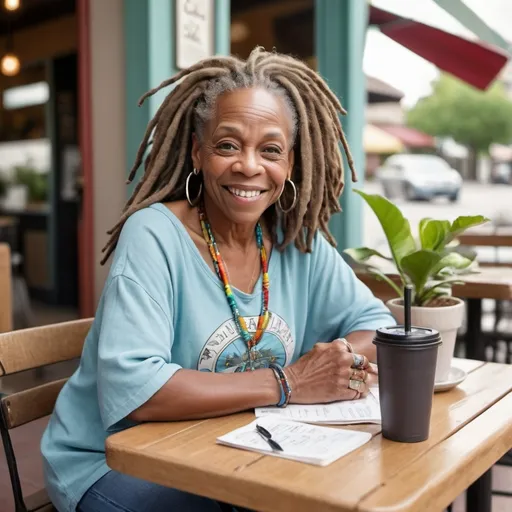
(359, 361)
(355, 384)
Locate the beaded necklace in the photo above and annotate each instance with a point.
(250, 340)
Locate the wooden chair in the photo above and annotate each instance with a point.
(25, 350)
(6, 315)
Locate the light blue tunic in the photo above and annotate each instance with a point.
(163, 309)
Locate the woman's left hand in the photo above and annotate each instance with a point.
(330, 372)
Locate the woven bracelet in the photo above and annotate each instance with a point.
(286, 390)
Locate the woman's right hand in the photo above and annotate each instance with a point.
(324, 374)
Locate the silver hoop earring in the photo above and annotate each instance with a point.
(195, 172)
(294, 197)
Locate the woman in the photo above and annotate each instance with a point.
(224, 289)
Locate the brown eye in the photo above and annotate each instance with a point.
(226, 146)
(273, 149)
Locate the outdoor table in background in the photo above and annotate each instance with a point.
(490, 283)
(491, 237)
(471, 428)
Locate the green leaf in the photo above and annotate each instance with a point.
(419, 266)
(437, 290)
(461, 224)
(383, 277)
(363, 254)
(396, 227)
(433, 233)
(465, 251)
(452, 261)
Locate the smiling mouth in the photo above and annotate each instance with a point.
(249, 194)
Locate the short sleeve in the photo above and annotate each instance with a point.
(134, 349)
(135, 325)
(339, 303)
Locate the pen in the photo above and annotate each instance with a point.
(263, 432)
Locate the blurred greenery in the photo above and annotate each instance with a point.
(35, 181)
(471, 117)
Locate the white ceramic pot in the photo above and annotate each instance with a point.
(447, 320)
(16, 197)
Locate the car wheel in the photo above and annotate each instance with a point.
(387, 191)
(454, 198)
(409, 193)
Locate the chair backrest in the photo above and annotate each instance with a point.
(5, 289)
(25, 350)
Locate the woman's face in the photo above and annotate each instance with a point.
(245, 154)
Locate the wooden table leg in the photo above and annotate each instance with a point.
(479, 495)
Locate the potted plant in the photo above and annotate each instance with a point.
(34, 181)
(431, 263)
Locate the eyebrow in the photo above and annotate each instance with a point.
(227, 128)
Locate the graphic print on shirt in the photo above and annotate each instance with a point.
(225, 350)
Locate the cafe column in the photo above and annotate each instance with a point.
(340, 38)
(162, 37)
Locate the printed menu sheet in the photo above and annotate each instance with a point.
(348, 412)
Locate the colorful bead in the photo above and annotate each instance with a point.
(263, 320)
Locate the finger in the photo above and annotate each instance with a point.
(359, 375)
(345, 343)
(371, 381)
(357, 385)
(373, 368)
(360, 362)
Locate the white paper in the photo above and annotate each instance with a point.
(300, 441)
(348, 412)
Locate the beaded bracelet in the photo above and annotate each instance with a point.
(284, 385)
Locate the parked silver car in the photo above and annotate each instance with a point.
(415, 176)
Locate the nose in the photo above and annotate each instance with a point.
(248, 164)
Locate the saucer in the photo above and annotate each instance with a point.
(455, 377)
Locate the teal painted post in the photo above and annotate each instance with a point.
(340, 37)
(161, 39)
(136, 26)
(150, 59)
(222, 27)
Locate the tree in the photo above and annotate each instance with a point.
(471, 117)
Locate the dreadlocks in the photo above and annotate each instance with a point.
(318, 170)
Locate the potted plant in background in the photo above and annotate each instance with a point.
(35, 182)
(431, 263)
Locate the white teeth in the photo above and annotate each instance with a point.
(244, 193)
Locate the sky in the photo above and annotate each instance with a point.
(399, 67)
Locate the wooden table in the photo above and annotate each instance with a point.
(491, 237)
(471, 428)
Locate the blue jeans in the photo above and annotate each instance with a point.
(116, 492)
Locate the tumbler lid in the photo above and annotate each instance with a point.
(398, 334)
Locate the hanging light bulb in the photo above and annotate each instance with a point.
(10, 64)
(12, 5)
